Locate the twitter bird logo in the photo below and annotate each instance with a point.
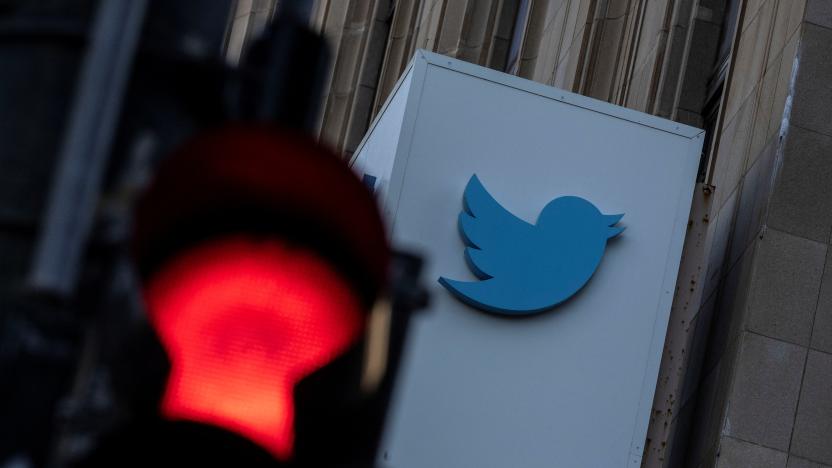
(527, 268)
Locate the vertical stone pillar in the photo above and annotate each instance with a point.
(764, 395)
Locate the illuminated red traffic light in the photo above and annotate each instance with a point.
(243, 320)
(261, 255)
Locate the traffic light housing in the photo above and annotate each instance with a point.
(261, 258)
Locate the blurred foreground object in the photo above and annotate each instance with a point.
(201, 282)
(262, 288)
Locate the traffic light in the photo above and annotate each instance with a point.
(263, 260)
(246, 310)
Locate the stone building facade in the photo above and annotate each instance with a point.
(746, 376)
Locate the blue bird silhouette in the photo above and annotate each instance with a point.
(527, 268)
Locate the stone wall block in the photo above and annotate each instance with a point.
(785, 287)
(764, 394)
(813, 424)
(801, 202)
(813, 90)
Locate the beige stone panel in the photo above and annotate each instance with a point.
(465, 30)
(736, 453)
(567, 71)
(553, 37)
(533, 40)
(346, 69)
(536, 46)
(750, 58)
(752, 9)
(449, 29)
(670, 74)
(335, 119)
(778, 107)
(573, 9)
(477, 31)
(586, 39)
(653, 25)
(260, 15)
(626, 68)
(796, 13)
(359, 119)
(250, 18)
(728, 328)
(813, 423)
(546, 54)
(640, 89)
(566, 76)
(637, 92)
(566, 48)
(720, 160)
(375, 44)
(428, 24)
(334, 15)
(263, 7)
(399, 48)
(316, 19)
(375, 30)
(553, 11)
(733, 147)
(618, 8)
(642, 49)
(786, 285)
(236, 39)
(782, 28)
(501, 36)
(760, 132)
(585, 12)
(682, 68)
(498, 50)
(764, 393)
(591, 38)
(350, 53)
(603, 73)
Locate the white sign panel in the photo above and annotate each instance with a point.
(567, 381)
